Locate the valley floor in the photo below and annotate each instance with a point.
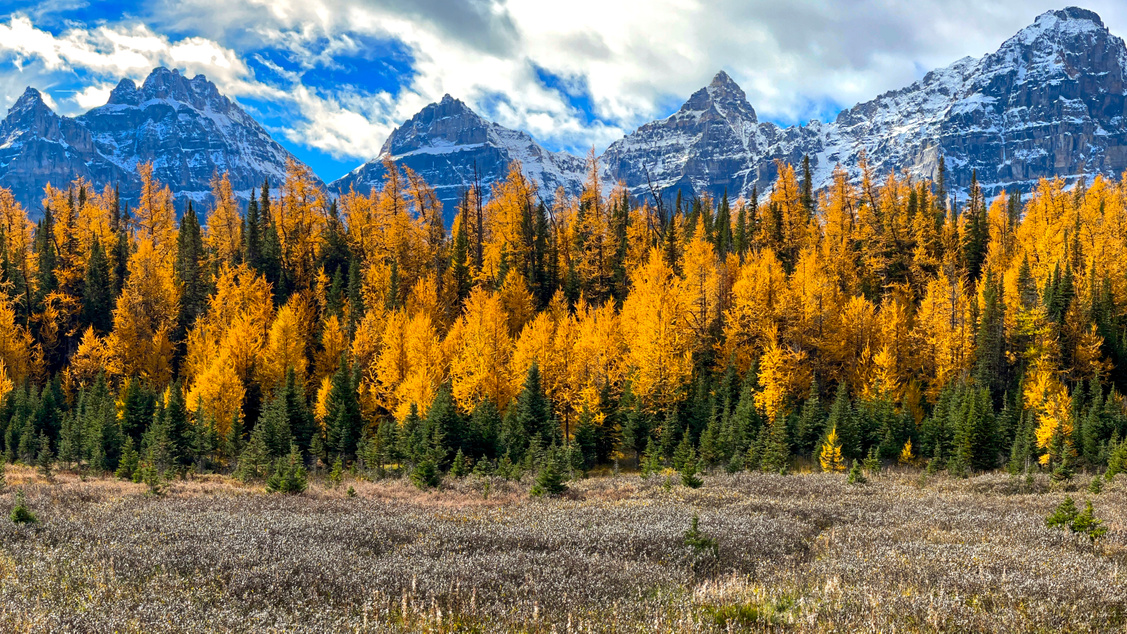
(905, 552)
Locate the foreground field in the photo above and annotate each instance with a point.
(801, 553)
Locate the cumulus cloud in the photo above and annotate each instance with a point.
(617, 63)
(93, 96)
(635, 58)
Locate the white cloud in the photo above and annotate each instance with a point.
(93, 96)
(634, 57)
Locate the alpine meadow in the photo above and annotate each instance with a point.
(477, 385)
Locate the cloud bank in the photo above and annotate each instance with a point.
(336, 76)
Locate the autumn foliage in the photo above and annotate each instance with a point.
(972, 331)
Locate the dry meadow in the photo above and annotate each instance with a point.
(905, 552)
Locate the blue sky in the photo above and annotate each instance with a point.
(331, 78)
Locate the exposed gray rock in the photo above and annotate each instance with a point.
(38, 147)
(451, 147)
(184, 127)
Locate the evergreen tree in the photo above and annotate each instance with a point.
(299, 419)
(289, 474)
(776, 454)
(355, 296)
(811, 421)
(532, 415)
(344, 411)
(843, 419)
(271, 246)
(460, 265)
(121, 253)
(46, 255)
(723, 233)
(976, 234)
(190, 269)
(483, 430)
(252, 238)
(447, 428)
(274, 428)
(741, 236)
(587, 437)
(990, 339)
(255, 460)
(130, 461)
(549, 479)
(98, 292)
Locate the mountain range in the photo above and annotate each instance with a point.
(1049, 102)
(184, 127)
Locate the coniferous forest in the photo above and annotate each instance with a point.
(820, 410)
(886, 320)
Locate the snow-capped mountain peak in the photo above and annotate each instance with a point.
(453, 148)
(185, 127)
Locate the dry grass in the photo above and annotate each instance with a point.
(801, 553)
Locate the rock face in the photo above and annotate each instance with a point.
(713, 144)
(1050, 102)
(188, 131)
(38, 147)
(449, 145)
(184, 127)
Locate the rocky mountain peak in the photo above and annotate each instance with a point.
(30, 101)
(449, 122)
(1074, 17)
(453, 148)
(31, 115)
(1059, 33)
(125, 93)
(722, 95)
(198, 92)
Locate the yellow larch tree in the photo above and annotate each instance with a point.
(783, 372)
(701, 275)
(154, 218)
(755, 309)
(830, 457)
(145, 317)
(508, 217)
(224, 225)
(655, 326)
(480, 349)
(947, 332)
(18, 351)
(300, 217)
(287, 343)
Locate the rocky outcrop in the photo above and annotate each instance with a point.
(452, 147)
(38, 147)
(188, 130)
(706, 146)
(184, 127)
(1049, 102)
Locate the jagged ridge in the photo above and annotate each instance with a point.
(184, 127)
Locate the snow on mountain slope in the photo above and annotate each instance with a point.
(1049, 102)
(452, 147)
(38, 147)
(184, 127)
(188, 130)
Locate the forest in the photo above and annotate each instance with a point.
(881, 320)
